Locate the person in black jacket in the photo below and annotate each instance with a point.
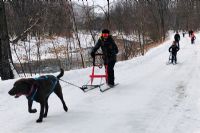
(190, 33)
(109, 49)
(193, 37)
(177, 38)
(174, 49)
(183, 34)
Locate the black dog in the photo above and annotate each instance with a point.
(39, 89)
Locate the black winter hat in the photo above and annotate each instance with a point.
(105, 31)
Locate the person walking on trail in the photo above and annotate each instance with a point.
(177, 38)
(190, 33)
(110, 50)
(193, 37)
(183, 34)
(174, 49)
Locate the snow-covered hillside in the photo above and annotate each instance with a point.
(152, 97)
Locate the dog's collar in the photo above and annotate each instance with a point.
(34, 87)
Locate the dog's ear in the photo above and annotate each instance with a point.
(33, 82)
(29, 81)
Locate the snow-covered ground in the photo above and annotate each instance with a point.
(152, 97)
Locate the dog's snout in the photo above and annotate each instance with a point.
(11, 92)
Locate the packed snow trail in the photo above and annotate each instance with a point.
(152, 97)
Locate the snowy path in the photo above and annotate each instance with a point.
(152, 97)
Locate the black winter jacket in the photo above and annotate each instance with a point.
(173, 48)
(108, 47)
(177, 37)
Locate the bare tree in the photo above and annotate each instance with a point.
(76, 33)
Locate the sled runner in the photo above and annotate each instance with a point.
(108, 87)
(170, 60)
(87, 88)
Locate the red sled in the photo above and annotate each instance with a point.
(91, 86)
(93, 75)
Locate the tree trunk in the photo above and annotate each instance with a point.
(5, 56)
(76, 34)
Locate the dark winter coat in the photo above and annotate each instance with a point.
(190, 32)
(193, 37)
(177, 37)
(108, 47)
(173, 48)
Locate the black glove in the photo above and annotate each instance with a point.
(92, 54)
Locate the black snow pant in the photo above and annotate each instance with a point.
(111, 75)
(174, 59)
(192, 41)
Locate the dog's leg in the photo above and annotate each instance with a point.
(30, 110)
(46, 107)
(41, 111)
(58, 92)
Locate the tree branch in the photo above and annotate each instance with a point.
(21, 36)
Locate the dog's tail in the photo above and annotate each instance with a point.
(61, 73)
